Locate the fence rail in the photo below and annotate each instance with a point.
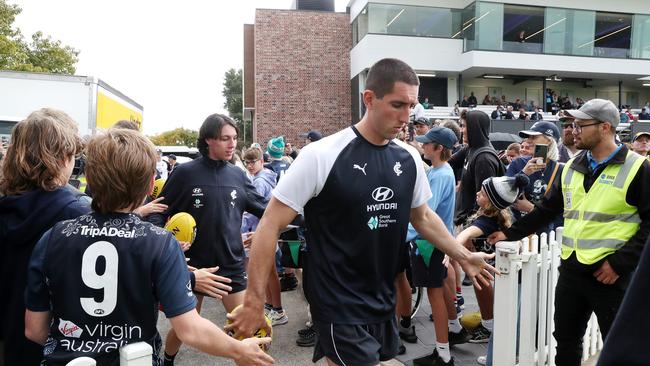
(134, 354)
(524, 303)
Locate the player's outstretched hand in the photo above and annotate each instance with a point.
(246, 321)
(209, 283)
(152, 207)
(476, 267)
(252, 353)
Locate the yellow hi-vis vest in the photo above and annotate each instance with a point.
(600, 222)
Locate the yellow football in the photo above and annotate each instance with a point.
(182, 226)
(260, 333)
(471, 321)
(157, 188)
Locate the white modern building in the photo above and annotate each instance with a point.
(512, 48)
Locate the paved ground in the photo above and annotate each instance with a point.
(286, 352)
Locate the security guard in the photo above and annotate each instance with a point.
(605, 198)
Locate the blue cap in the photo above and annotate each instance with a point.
(439, 135)
(542, 128)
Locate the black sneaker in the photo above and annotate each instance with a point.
(288, 283)
(402, 349)
(433, 360)
(305, 331)
(459, 338)
(306, 337)
(480, 335)
(467, 281)
(407, 334)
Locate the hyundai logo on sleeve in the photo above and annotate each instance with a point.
(382, 194)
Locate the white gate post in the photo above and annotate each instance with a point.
(82, 361)
(136, 354)
(508, 262)
(529, 295)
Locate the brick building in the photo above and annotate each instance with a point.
(297, 73)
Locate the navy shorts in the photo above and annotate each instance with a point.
(358, 345)
(431, 277)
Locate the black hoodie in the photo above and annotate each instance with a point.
(478, 161)
(24, 219)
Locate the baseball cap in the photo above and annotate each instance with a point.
(599, 109)
(439, 135)
(421, 121)
(639, 134)
(312, 135)
(542, 128)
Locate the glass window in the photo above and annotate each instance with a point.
(362, 28)
(523, 28)
(355, 29)
(613, 34)
(640, 37)
(489, 26)
(412, 20)
(569, 32)
(465, 28)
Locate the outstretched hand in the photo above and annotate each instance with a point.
(246, 321)
(476, 267)
(209, 283)
(252, 352)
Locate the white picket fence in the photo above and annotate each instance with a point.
(134, 354)
(537, 260)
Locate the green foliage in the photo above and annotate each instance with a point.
(176, 137)
(42, 54)
(233, 92)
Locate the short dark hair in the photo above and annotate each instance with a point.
(211, 129)
(386, 72)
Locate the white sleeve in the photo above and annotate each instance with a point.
(301, 181)
(421, 190)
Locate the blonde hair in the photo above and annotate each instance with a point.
(504, 218)
(40, 147)
(120, 166)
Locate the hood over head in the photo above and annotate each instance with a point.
(477, 127)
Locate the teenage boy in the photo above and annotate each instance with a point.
(95, 282)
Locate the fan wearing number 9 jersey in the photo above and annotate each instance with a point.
(101, 276)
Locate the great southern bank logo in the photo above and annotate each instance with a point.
(373, 223)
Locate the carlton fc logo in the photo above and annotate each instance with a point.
(382, 194)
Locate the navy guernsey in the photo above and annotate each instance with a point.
(356, 198)
(216, 193)
(102, 278)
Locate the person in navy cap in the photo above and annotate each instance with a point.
(540, 170)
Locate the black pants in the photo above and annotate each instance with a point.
(577, 295)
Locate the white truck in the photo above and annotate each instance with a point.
(92, 103)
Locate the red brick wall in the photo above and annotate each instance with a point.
(302, 73)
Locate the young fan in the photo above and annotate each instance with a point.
(496, 194)
(95, 282)
(35, 172)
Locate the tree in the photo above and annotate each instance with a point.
(42, 54)
(232, 91)
(176, 137)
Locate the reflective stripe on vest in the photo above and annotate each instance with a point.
(601, 221)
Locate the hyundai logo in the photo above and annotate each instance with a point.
(382, 194)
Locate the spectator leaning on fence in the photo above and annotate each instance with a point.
(603, 238)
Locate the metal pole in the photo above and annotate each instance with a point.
(620, 93)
